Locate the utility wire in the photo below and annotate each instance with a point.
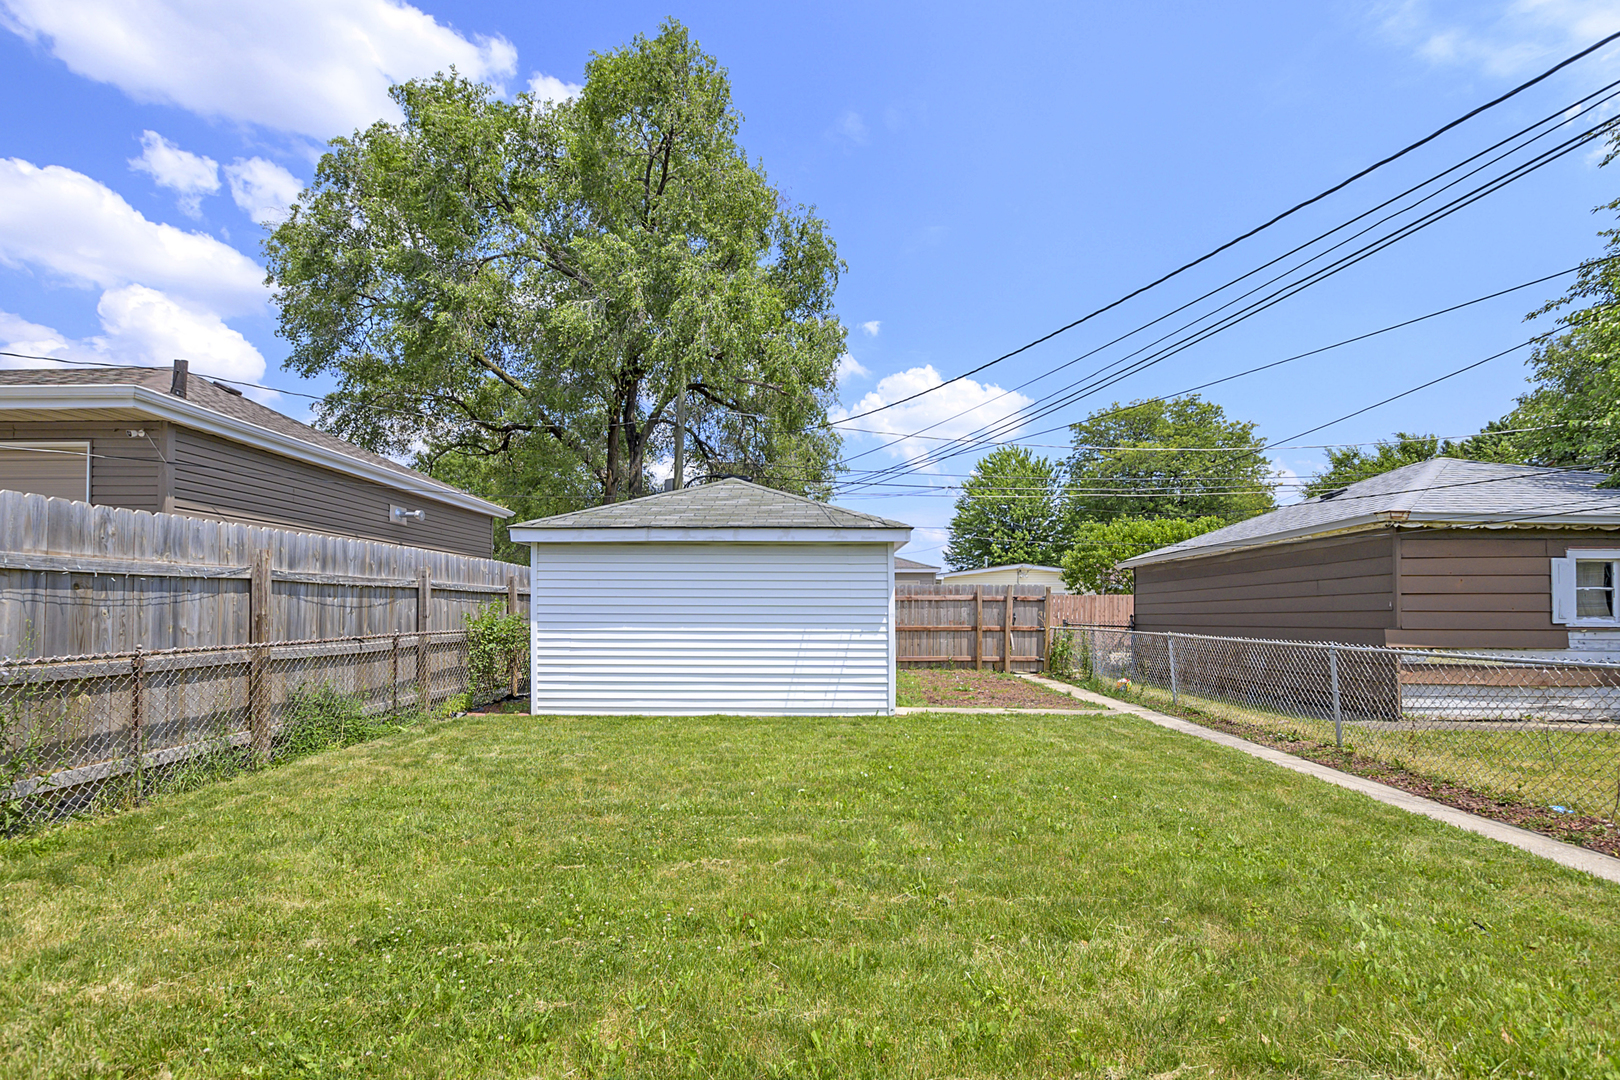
(1269, 223)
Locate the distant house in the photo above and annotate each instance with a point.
(168, 441)
(1012, 574)
(907, 572)
(1443, 554)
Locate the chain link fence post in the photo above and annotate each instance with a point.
(1170, 650)
(137, 717)
(1333, 679)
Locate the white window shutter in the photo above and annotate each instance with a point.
(1563, 590)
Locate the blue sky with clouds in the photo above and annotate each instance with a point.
(990, 173)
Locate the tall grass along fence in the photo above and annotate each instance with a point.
(1539, 731)
(1005, 627)
(84, 733)
(77, 579)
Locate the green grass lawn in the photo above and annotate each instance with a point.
(1575, 766)
(928, 896)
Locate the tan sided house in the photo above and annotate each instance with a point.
(1443, 554)
(167, 441)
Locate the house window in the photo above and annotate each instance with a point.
(1583, 584)
(1594, 589)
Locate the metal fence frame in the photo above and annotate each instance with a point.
(76, 731)
(1543, 731)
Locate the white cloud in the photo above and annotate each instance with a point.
(958, 409)
(872, 327)
(315, 67)
(550, 88)
(850, 368)
(851, 126)
(264, 190)
(67, 224)
(190, 175)
(143, 327)
(1502, 39)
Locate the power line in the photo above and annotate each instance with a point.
(1267, 224)
(1070, 394)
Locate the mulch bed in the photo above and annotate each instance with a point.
(1583, 830)
(965, 689)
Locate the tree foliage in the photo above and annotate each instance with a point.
(1091, 565)
(1121, 466)
(1349, 464)
(519, 290)
(1009, 512)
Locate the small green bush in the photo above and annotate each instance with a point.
(496, 643)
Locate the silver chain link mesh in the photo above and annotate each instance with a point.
(87, 732)
(1534, 731)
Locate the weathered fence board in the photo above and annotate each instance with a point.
(77, 579)
(1093, 610)
(967, 626)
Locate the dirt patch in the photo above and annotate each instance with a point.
(1583, 830)
(963, 689)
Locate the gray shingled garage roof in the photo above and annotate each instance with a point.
(724, 504)
(1442, 491)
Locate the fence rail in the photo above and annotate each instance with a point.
(1541, 731)
(77, 579)
(76, 732)
(969, 626)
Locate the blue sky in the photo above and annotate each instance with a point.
(990, 173)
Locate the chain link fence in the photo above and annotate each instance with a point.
(83, 733)
(1546, 733)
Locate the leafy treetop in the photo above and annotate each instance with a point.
(1008, 512)
(519, 290)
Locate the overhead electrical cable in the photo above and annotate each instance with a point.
(1341, 185)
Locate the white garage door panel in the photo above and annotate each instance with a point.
(695, 628)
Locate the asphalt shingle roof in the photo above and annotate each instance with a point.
(723, 504)
(1436, 491)
(201, 392)
(908, 564)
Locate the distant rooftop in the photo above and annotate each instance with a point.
(908, 564)
(1441, 491)
(722, 504)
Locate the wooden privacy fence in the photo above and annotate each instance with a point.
(77, 579)
(1112, 610)
(970, 625)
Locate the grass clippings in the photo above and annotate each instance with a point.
(931, 896)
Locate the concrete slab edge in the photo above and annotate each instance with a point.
(913, 710)
(1576, 858)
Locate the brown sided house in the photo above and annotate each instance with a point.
(163, 440)
(1443, 554)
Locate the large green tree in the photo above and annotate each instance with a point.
(1008, 512)
(1180, 458)
(519, 291)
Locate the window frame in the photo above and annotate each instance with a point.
(1570, 588)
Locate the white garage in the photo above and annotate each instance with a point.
(722, 598)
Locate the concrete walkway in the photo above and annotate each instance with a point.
(1578, 858)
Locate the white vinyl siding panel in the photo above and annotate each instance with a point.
(690, 629)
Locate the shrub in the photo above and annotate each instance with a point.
(496, 643)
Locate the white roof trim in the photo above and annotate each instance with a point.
(161, 406)
(709, 536)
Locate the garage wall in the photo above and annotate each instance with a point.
(689, 629)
